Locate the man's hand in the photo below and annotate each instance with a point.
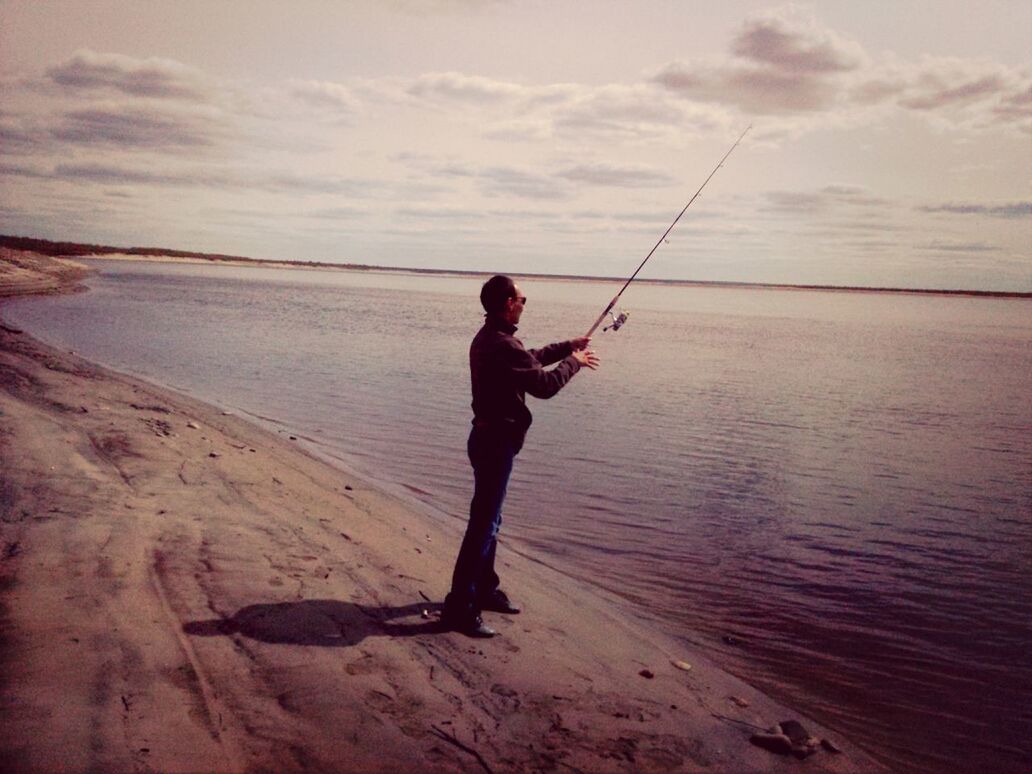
(586, 357)
(580, 343)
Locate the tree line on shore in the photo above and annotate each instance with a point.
(71, 249)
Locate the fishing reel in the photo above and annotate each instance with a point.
(618, 321)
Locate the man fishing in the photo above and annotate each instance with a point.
(502, 372)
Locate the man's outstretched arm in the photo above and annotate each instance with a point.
(553, 353)
(532, 377)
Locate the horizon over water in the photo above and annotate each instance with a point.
(840, 483)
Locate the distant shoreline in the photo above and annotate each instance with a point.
(158, 254)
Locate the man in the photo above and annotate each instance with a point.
(502, 372)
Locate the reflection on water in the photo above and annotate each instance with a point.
(842, 482)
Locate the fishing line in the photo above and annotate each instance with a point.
(618, 321)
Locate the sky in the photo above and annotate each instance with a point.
(891, 142)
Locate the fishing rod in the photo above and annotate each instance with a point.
(622, 318)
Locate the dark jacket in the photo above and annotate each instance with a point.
(502, 372)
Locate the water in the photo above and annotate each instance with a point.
(841, 482)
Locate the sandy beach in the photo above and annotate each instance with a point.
(181, 591)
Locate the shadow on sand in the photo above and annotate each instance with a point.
(324, 622)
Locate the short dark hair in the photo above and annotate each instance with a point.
(495, 292)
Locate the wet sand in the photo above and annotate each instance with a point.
(183, 591)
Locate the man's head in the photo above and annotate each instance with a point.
(501, 298)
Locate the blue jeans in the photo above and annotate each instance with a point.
(491, 453)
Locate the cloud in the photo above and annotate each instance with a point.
(507, 181)
(500, 101)
(439, 213)
(472, 89)
(155, 78)
(136, 127)
(845, 193)
(942, 246)
(518, 112)
(1016, 106)
(515, 112)
(793, 201)
(112, 101)
(835, 195)
(491, 180)
(428, 165)
(844, 189)
(325, 94)
(19, 136)
(519, 130)
(626, 176)
(637, 110)
(205, 177)
(1009, 210)
(331, 213)
(878, 225)
(875, 91)
(130, 125)
(975, 94)
(651, 217)
(800, 48)
(514, 214)
(109, 174)
(290, 182)
(754, 90)
(19, 170)
(949, 83)
(782, 64)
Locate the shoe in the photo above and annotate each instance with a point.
(498, 602)
(471, 627)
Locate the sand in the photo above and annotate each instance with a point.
(181, 591)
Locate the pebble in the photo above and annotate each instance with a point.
(193, 425)
(830, 746)
(775, 743)
(646, 673)
(794, 730)
(740, 702)
(684, 666)
(214, 454)
(788, 737)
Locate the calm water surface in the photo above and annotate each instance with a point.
(840, 482)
